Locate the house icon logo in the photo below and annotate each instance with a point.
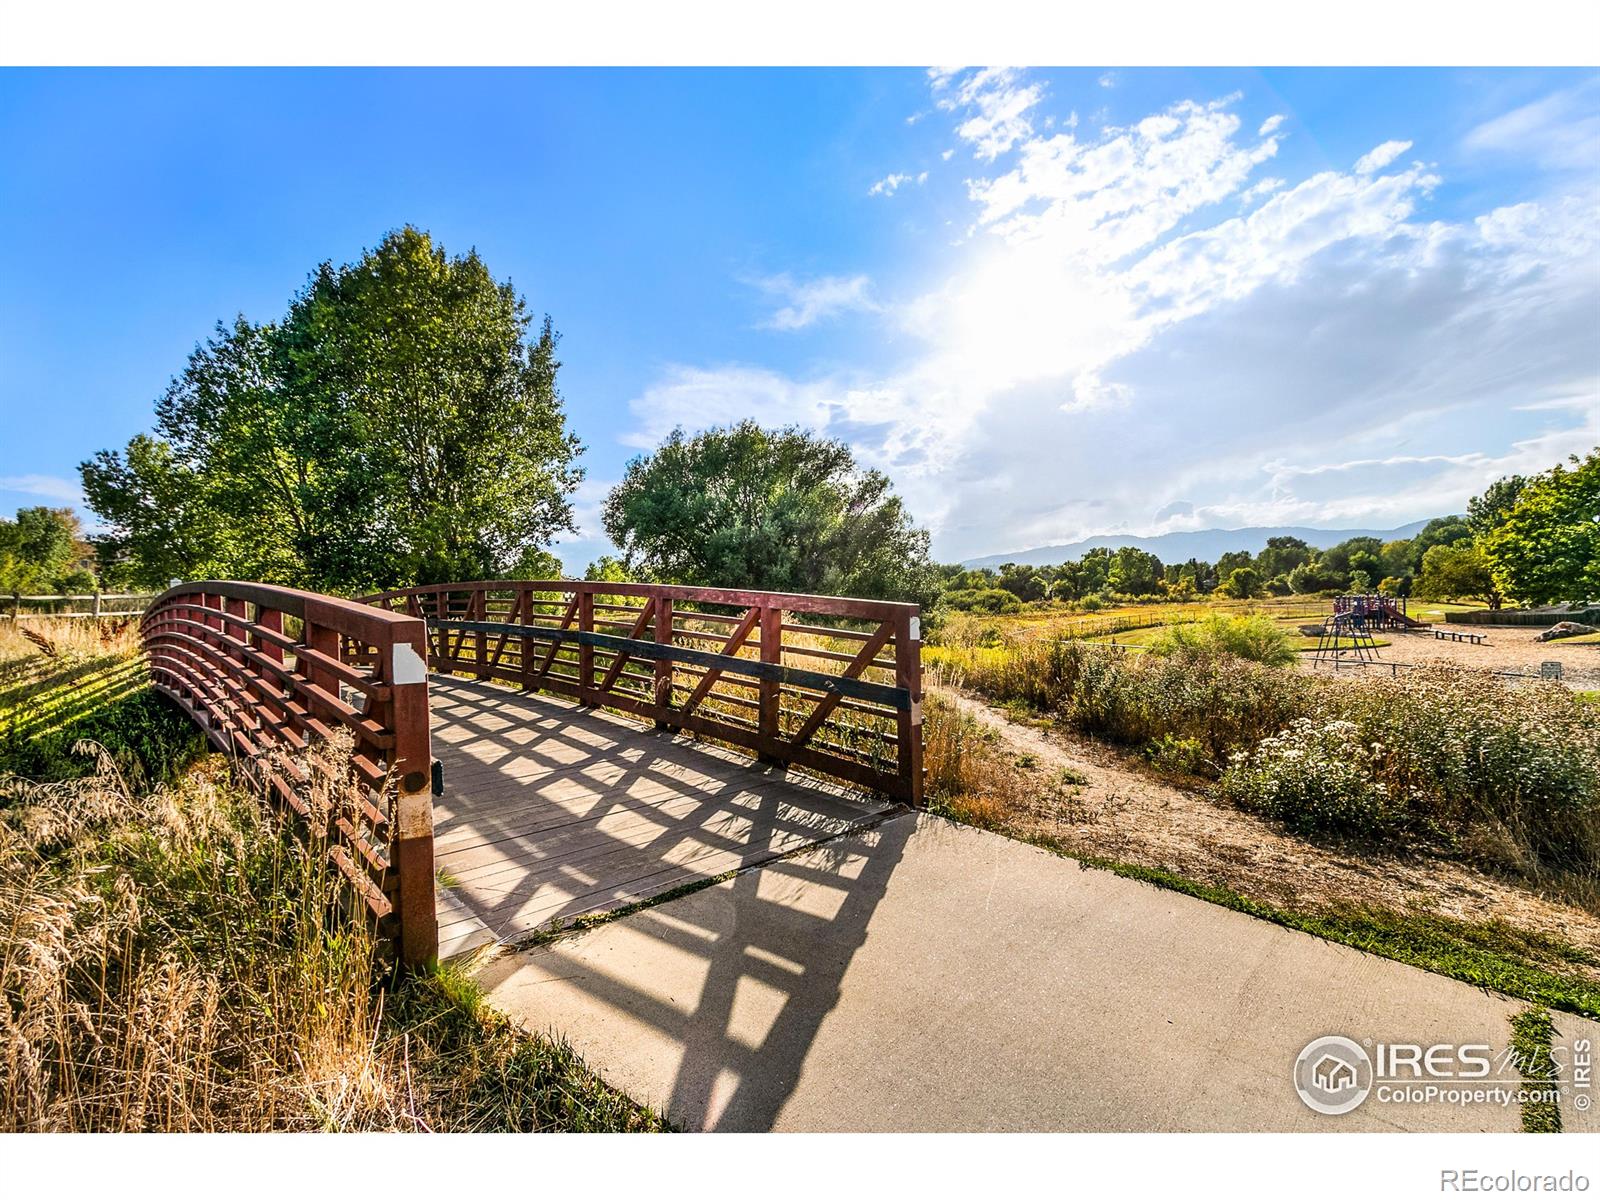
(1333, 1075)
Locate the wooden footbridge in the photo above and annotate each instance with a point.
(525, 752)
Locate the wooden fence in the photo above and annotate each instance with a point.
(266, 671)
(823, 682)
(87, 606)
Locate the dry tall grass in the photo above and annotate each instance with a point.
(177, 958)
(974, 778)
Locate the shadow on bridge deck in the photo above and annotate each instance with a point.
(551, 810)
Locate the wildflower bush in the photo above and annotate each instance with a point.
(1218, 700)
(1179, 756)
(1507, 770)
(1439, 749)
(1316, 776)
(1258, 639)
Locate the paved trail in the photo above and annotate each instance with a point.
(926, 976)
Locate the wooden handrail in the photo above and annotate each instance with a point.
(219, 649)
(850, 708)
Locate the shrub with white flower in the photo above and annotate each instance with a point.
(1316, 777)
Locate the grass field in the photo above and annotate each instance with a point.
(1138, 625)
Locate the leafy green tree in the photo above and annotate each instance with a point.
(1313, 577)
(398, 426)
(1441, 531)
(1485, 512)
(993, 601)
(159, 524)
(1084, 577)
(1281, 555)
(1458, 571)
(43, 550)
(780, 510)
(1022, 581)
(1199, 575)
(608, 568)
(1232, 561)
(535, 562)
(1134, 572)
(1242, 583)
(1396, 585)
(1396, 559)
(1547, 547)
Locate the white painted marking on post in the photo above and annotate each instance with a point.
(916, 629)
(408, 666)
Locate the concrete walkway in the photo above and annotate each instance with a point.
(925, 976)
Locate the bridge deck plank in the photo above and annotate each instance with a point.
(552, 810)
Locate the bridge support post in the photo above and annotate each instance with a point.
(586, 692)
(663, 689)
(411, 849)
(479, 611)
(769, 693)
(908, 723)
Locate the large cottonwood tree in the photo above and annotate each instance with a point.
(781, 510)
(400, 424)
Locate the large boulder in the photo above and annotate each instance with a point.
(1565, 629)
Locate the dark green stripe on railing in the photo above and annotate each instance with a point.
(897, 698)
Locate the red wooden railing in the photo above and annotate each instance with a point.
(824, 682)
(266, 671)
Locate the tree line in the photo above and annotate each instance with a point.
(401, 423)
(1534, 538)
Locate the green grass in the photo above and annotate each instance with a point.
(88, 689)
(1142, 638)
(497, 1076)
(1532, 1033)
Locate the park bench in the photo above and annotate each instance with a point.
(1477, 639)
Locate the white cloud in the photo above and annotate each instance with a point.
(997, 102)
(1264, 187)
(805, 302)
(1108, 80)
(890, 184)
(1135, 323)
(700, 398)
(947, 155)
(47, 487)
(1561, 130)
(1270, 124)
(1380, 157)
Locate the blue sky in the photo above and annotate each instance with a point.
(1049, 303)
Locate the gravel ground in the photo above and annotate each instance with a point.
(1509, 648)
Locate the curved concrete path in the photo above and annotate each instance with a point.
(926, 976)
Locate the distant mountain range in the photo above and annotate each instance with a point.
(1205, 544)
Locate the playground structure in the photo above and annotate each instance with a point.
(1346, 636)
(1376, 610)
